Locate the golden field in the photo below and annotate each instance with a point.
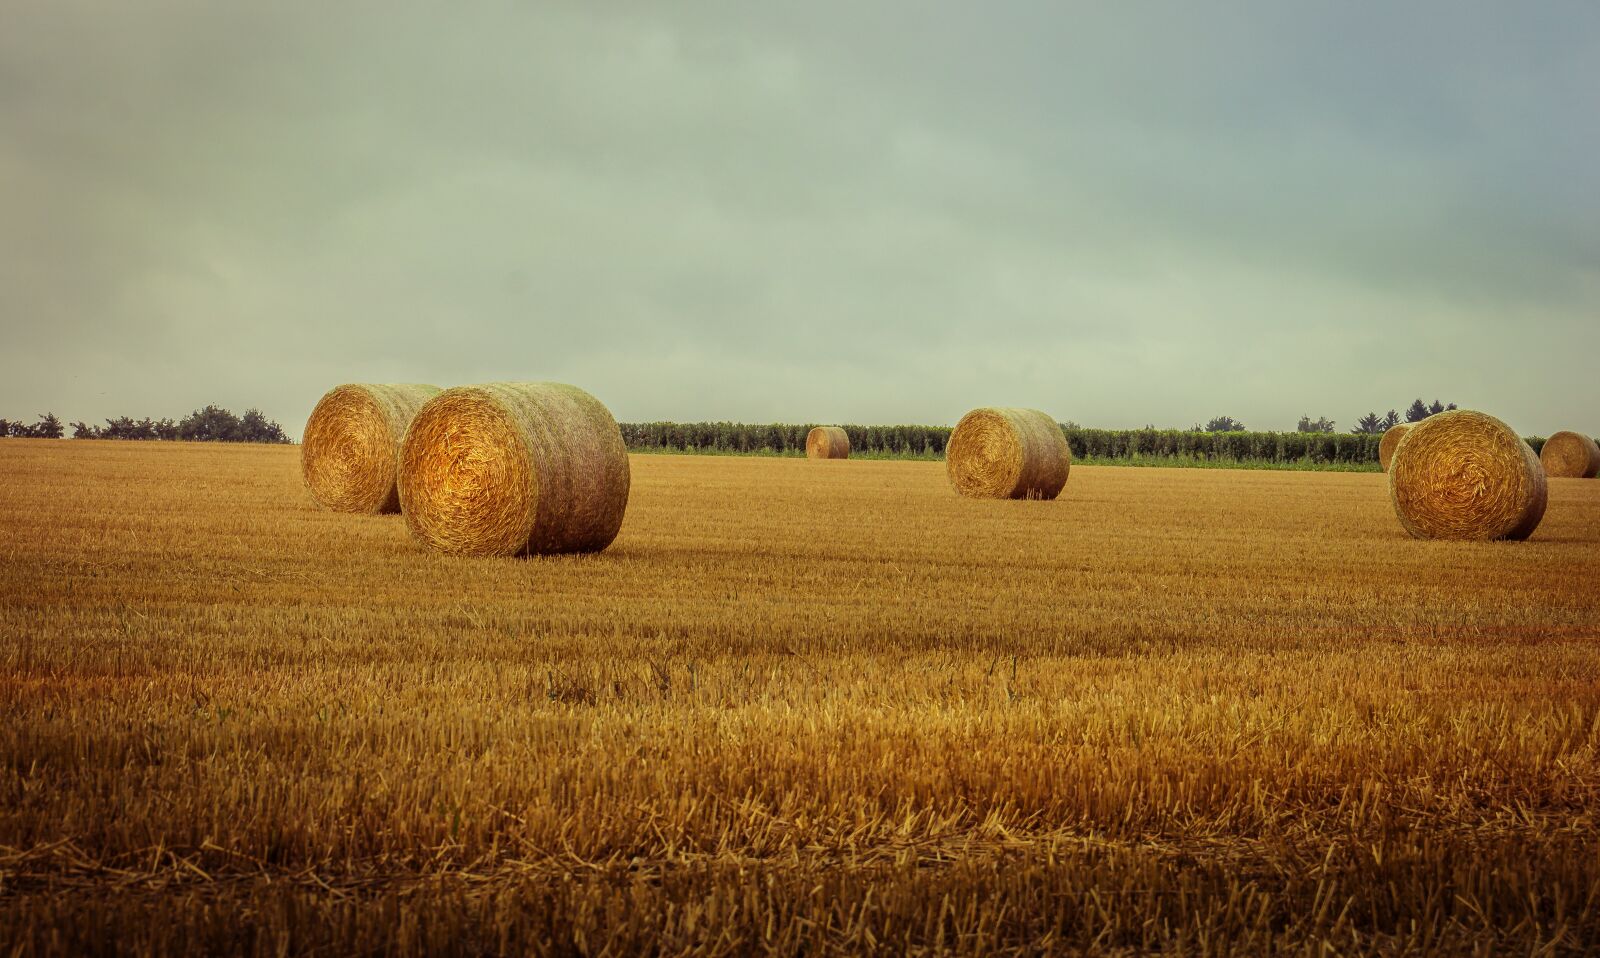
(798, 707)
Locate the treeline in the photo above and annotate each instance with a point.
(1374, 423)
(1087, 444)
(211, 424)
(778, 438)
(1316, 447)
(47, 427)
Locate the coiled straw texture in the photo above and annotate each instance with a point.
(350, 451)
(1004, 453)
(514, 468)
(1390, 442)
(1570, 455)
(1466, 475)
(827, 442)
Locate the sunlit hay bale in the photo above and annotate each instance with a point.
(350, 451)
(827, 442)
(1389, 442)
(514, 468)
(1466, 475)
(1570, 455)
(999, 453)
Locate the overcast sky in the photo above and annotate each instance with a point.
(1119, 213)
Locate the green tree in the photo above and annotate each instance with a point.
(211, 424)
(48, 427)
(119, 428)
(1419, 410)
(254, 426)
(1370, 424)
(1224, 424)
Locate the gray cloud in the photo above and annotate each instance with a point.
(1153, 213)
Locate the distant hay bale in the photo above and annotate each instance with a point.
(1570, 455)
(1466, 475)
(351, 446)
(1001, 453)
(827, 442)
(514, 468)
(1389, 442)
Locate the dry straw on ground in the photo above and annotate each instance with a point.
(1466, 475)
(1003, 453)
(827, 442)
(352, 444)
(514, 468)
(232, 725)
(1570, 455)
(1390, 442)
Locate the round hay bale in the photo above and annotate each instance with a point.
(1002, 453)
(513, 469)
(827, 442)
(1466, 475)
(1391, 441)
(351, 447)
(1570, 455)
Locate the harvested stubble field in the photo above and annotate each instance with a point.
(797, 707)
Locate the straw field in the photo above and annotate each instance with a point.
(1179, 709)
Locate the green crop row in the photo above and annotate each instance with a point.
(1142, 446)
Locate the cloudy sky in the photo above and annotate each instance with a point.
(1119, 213)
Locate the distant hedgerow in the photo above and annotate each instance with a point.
(211, 424)
(1314, 448)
